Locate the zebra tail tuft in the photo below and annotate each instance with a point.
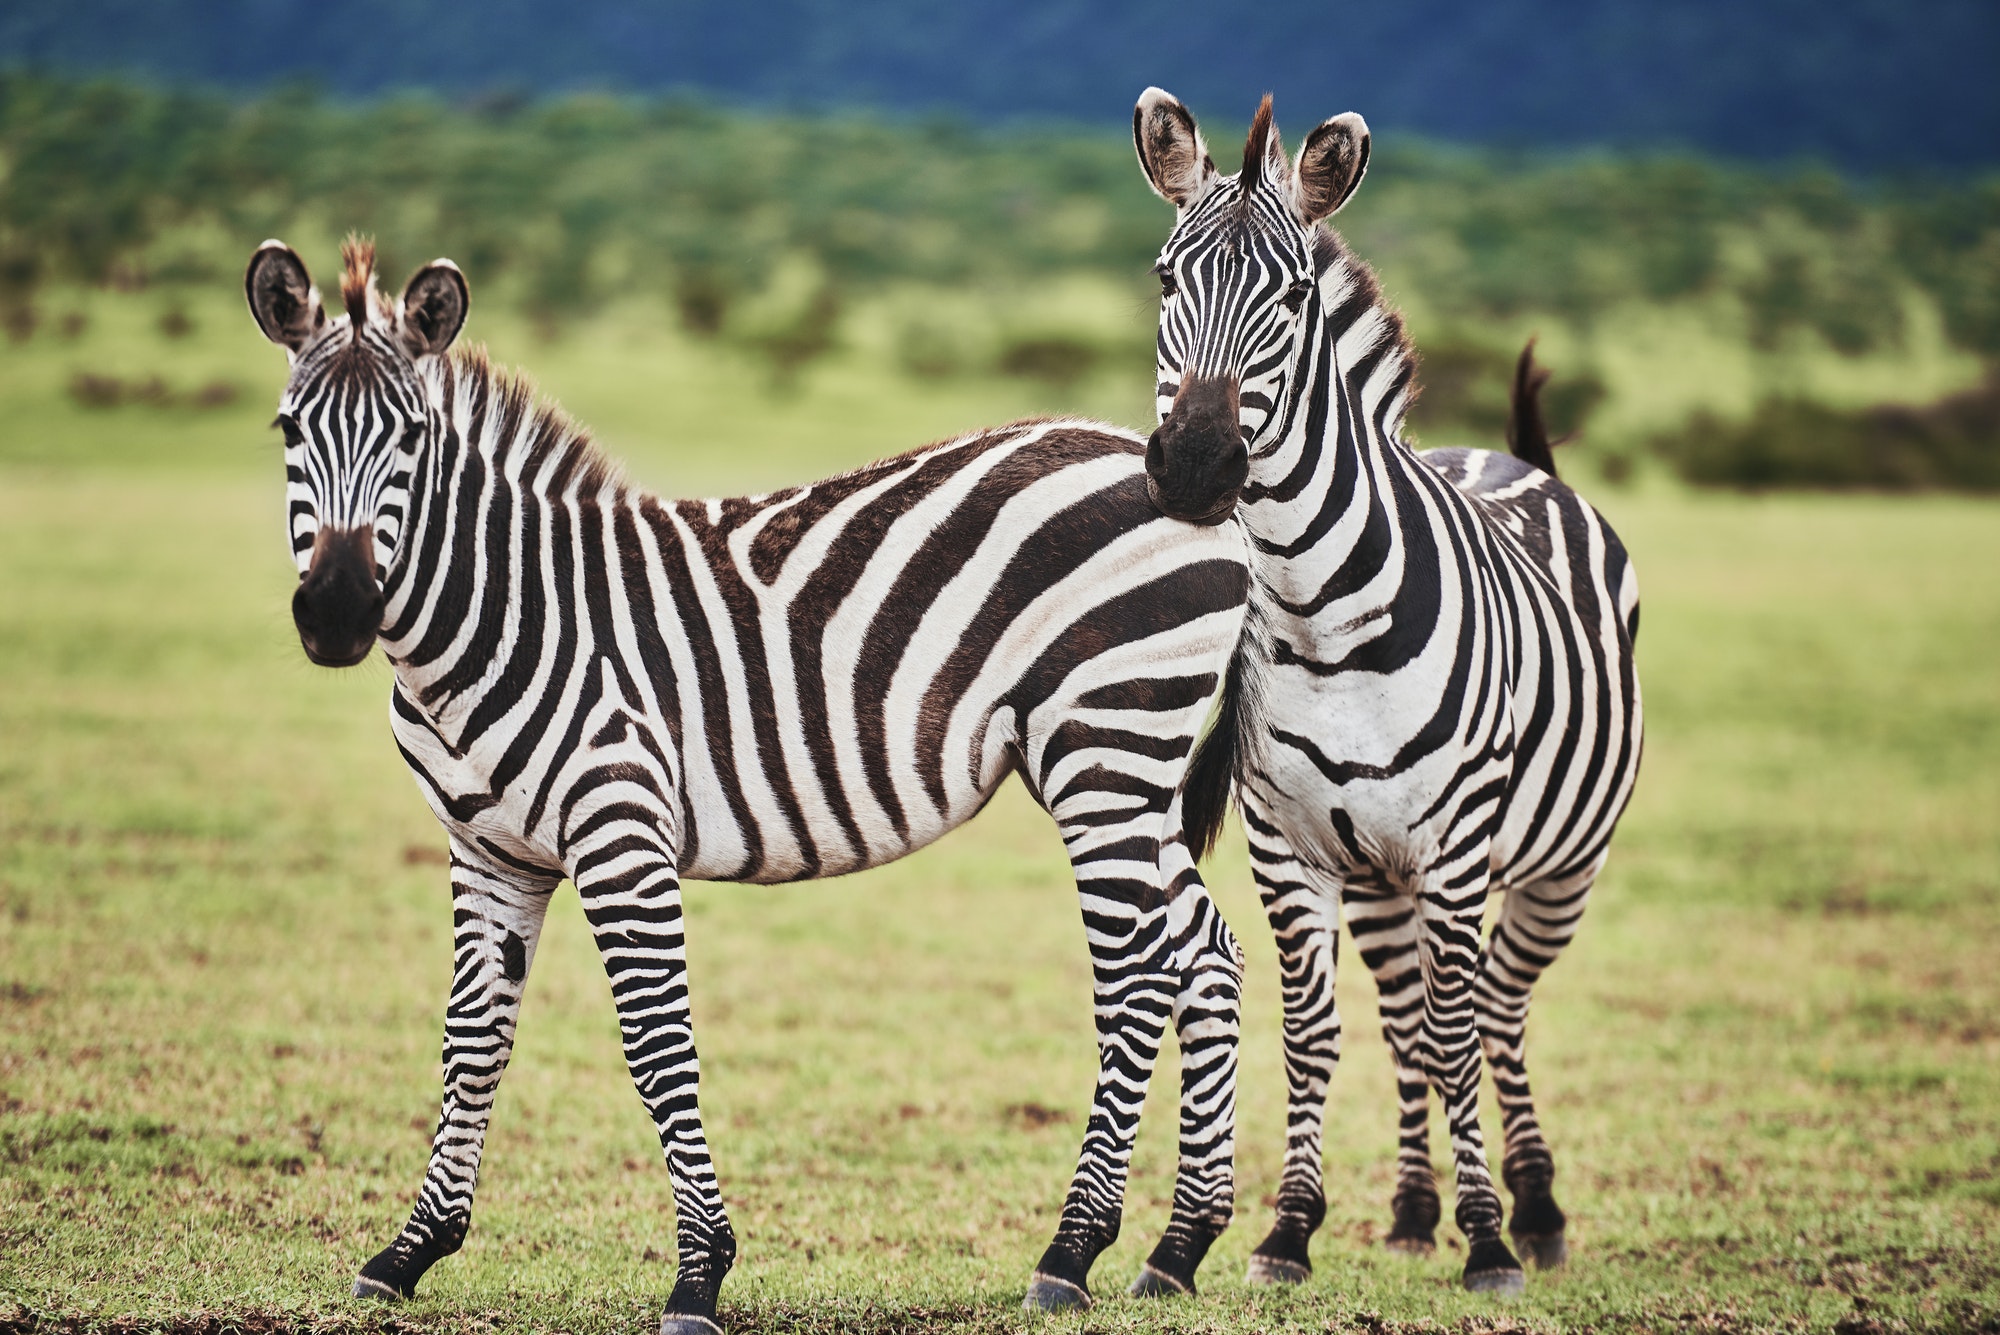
(1205, 794)
(1527, 432)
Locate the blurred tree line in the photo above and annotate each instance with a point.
(561, 205)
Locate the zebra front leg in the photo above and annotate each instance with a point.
(1536, 922)
(1208, 1023)
(1304, 912)
(1452, 912)
(1384, 924)
(496, 922)
(631, 895)
(1134, 985)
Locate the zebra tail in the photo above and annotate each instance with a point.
(1205, 794)
(1527, 432)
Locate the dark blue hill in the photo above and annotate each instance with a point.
(1869, 85)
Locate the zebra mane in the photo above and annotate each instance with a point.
(523, 433)
(1255, 147)
(357, 277)
(1330, 252)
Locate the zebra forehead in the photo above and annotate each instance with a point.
(1246, 237)
(357, 373)
(1258, 218)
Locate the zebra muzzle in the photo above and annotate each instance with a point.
(338, 605)
(1196, 461)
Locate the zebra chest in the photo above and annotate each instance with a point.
(1375, 771)
(1350, 813)
(477, 792)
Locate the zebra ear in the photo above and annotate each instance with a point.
(434, 306)
(1171, 152)
(282, 296)
(1331, 163)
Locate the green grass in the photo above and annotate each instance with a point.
(1770, 1066)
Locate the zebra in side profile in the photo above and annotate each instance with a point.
(1437, 697)
(596, 684)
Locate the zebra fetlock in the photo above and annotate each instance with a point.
(393, 1272)
(1414, 1213)
(1061, 1279)
(1536, 1223)
(1285, 1254)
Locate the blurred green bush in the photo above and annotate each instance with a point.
(774, 232)
(1952, 443)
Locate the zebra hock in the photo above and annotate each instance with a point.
(595, 684)
(1437, 698)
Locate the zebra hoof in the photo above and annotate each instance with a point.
(1549, 1251)
(687, 1323)
(1491, 1268)
(1499, 1283)
(1046, 1293)
(1270, 1270)
(365, 1287)
(1153, 1283)
(1412, 1244)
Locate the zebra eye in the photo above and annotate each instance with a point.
(1168, 286)
(1295, 296)
(293, 436)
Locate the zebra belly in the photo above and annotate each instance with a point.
(726, 848)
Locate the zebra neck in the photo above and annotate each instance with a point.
(495, 509)
(1321, 500)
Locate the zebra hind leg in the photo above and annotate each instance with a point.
(1536, 922)
(1452, 912)
(1304, 912)
(1383, 922)
(1207, 1021)
(497, 921)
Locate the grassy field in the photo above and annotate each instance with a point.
(1770, 1066)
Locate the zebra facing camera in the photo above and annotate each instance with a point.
(337, 607)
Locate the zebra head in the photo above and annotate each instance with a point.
(355, 419)
(1235, 278)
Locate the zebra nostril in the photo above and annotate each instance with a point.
(338, 607)
(302, 608)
